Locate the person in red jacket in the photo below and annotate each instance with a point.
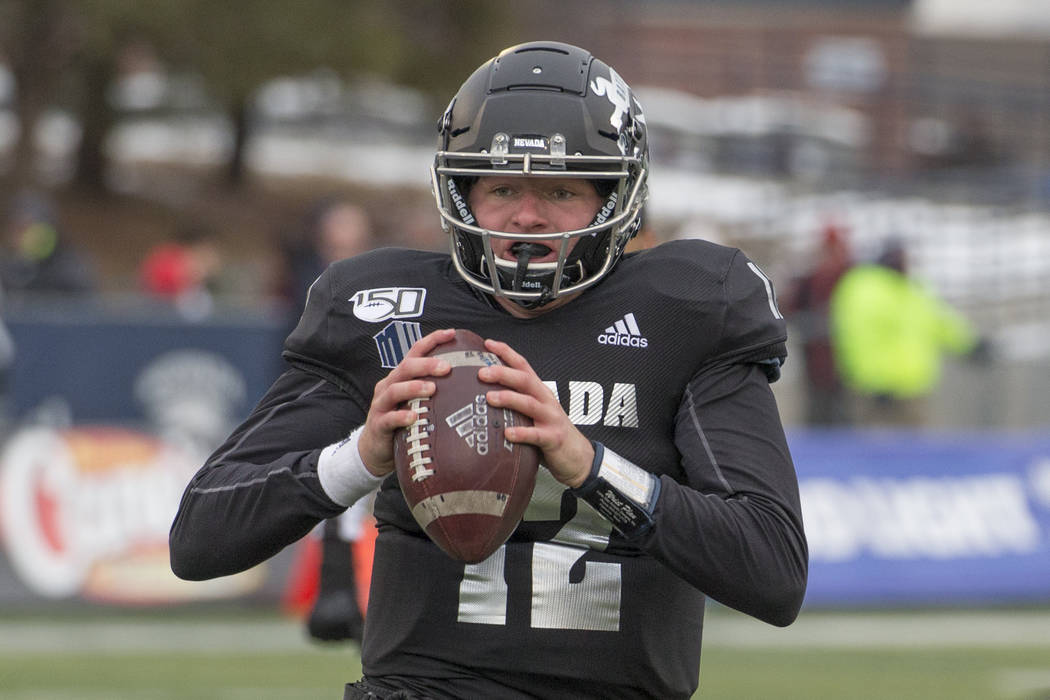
(184, 271)
(807, 307)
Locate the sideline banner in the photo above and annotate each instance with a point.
(85, 513)
(920, 518)
(109, 367)
(110, 417)
(114, 415)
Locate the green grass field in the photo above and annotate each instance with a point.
(949, 655)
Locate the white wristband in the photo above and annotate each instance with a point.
(342, 472)
(622, 492)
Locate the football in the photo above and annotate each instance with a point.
(466, 485)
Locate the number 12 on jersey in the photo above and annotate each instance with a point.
(558, 602)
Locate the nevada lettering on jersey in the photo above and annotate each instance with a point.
(588, 404)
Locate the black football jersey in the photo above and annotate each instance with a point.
(667, 362)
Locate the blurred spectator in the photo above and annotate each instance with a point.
(334, 229)
(336, 615)
(889, 335)
(184, 271)
(419, 228)
(37, 257)
(807, 304)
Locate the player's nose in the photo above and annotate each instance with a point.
(529, 213)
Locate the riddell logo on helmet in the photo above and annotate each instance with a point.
(459, 203)
(606, 210)
(624, 333)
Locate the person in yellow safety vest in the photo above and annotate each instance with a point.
(889, 335)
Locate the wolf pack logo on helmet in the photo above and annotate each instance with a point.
(542, 109)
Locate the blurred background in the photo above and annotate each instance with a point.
(168, 173)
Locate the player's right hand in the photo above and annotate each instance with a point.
(386, 413)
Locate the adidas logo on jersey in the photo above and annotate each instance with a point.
(624, 333)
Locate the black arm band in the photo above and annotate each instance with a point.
(622, 492)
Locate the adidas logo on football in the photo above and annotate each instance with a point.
(625, 333)
(471, 423)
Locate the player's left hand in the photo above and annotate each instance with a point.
(567, 453)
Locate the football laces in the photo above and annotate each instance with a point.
(418, 441)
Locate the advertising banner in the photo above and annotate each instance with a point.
(108, 419)
(910, 518)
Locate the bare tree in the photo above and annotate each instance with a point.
(66, 51)
(35, 40)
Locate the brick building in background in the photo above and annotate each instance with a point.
(936, 93)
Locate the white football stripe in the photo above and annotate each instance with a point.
(469, 358)
(459, 503)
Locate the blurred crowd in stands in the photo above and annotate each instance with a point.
(38, 259)
(871, 338)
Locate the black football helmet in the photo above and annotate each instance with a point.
(542, 109)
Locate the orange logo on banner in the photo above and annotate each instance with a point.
(85, 511)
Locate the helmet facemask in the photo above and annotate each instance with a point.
(616, 162)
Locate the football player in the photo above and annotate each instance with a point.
(666, 475)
